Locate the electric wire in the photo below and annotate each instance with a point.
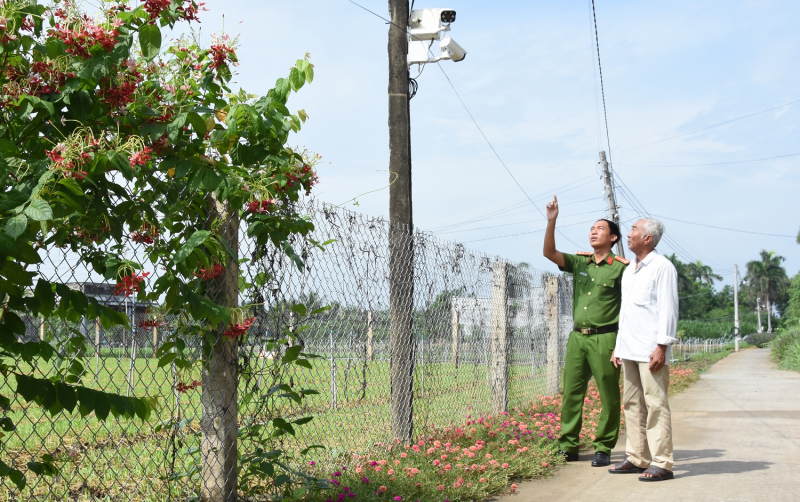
(726, 228)
(714, 125)
(716, 163)
(602, 89)
(497, 213)
(596, 211)
(521, 203)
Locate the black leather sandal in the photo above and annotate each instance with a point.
(626, 467)
(656, 474)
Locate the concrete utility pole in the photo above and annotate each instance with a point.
(736, 305)
(613, 209)
(401, 235)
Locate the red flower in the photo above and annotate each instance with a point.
(130, 284)
(261, 206)
(185, 387)
(141, 158)
(239, 329)
(211, 273)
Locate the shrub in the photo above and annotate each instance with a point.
(786, 350)
(760, 340)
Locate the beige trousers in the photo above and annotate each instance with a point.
(647, 415)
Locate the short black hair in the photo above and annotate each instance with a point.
(613, 228)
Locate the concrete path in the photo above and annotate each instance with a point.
(736, 436)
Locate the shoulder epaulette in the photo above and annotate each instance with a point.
(622, 260)
(584, 253)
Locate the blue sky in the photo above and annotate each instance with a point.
(530, 81)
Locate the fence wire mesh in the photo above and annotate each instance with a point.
(483, 334)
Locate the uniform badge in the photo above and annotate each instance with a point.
(610, 260)
(584, 274)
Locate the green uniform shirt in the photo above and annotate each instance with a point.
(597, 289)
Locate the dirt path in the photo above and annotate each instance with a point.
(737, 437)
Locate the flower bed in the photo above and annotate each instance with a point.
(470, 462)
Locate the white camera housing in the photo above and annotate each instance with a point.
(428, 24)
(449, 49)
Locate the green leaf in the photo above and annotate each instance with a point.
(102, 405)
(292, 353)
(167, 359)
(16, 226)
(66, 396)
(197, 123)
(47, 298)
(196, 239)
(80, 105)
(297, 79)
(17, 478)
(299, 309)
(39, 210)
(150, 41)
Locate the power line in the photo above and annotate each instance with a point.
(725, 228)
(516, 205)
(531, 232)
(473, 121)
(602, 89)
(715, 125)
(498, 213)
(717, 163)
(515, 223)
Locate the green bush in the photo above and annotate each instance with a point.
(786, 350)
(711, 329)
(760, 340)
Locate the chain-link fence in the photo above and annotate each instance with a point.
(478, 334)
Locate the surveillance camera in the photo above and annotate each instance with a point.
(428, 24)
(451, 50)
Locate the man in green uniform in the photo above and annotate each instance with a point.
(597, 296)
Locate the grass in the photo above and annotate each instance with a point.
(101, 460)
(104, 459)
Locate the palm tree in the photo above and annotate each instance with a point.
(684, 275)
(767, 279)
(703, 273)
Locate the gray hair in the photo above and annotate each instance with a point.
(653, 228)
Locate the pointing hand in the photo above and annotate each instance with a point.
(552, 209)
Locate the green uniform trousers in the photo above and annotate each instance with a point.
(587, 356)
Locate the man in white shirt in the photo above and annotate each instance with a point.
(647, 323)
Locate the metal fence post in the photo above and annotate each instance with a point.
(499, 337)
(370, 335)
(553, 345)
(455, 337)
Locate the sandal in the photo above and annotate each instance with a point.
(656, 474)
(626, 467)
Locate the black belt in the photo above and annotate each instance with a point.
(597, 331)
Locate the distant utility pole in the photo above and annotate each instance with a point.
(736, 305)
(401, 234)
(613, 209)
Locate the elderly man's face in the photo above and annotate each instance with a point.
(637, 241)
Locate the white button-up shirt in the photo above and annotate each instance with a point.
(649, 312)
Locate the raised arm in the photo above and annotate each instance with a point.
(550, 251)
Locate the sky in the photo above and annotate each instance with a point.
(531, 82)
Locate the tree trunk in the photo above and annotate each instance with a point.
(769, 315)
(220, 376)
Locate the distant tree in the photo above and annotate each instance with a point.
(702, 273)
(766, 279)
